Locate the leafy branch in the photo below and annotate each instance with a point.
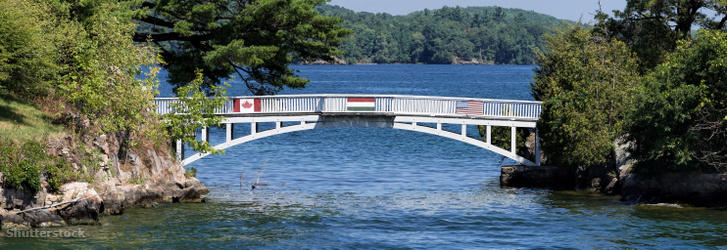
(194, 110)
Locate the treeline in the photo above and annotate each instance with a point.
(641, 78)
(486, 35)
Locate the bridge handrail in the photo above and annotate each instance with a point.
(398, 104)
(387, 95)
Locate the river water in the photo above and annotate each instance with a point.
(384, 188)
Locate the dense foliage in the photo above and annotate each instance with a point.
(254, 40)
(644, 76)
(97, 60)
(27, 63)
(585, 82)
(78, 61)
(81, 53)
(680, 117)
(489, 35)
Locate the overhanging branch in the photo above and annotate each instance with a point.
(172, 36)
(157, 21)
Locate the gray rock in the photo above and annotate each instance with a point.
(12, 220)
(102, 144)
(85, 211)
(43, 218)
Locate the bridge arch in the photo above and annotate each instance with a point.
(401, 123)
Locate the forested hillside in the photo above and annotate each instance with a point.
(488, 35)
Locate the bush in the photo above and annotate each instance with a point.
(23, 164)
(679, 120)
(19, 164)
(585, 83)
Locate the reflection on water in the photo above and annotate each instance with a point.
(383, 188)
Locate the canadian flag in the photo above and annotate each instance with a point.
(247, 105)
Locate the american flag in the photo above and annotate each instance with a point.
(469, 108)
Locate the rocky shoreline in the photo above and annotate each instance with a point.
(617, 177)
(685, 187)
(140, 179)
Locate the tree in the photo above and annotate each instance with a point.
(585, 82)
(679, 120)
(256, 40)
(651, 28)
(27, 62)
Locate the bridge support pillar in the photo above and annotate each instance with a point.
(489, 134)
(513, 139)
(464, 129)
(439, 126)
(278, 125)
(253, 128)
(180, 150)
(230, 132)
(205, 134)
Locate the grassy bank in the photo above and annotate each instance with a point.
(22, 121)
(24, 130)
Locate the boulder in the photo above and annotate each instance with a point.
(84, 206)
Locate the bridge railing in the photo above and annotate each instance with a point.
(395, 104)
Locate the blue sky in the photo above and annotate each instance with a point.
(565, 9)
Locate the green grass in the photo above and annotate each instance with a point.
(22, 121)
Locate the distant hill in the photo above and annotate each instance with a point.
(482, 35)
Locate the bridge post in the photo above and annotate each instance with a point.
(180, 150)
(253, 128)
(278, 125)
(537, 147)
(464, 129)
(230, 132)
(205, 134)
(489, 134)
(513, 140)
(439, 126)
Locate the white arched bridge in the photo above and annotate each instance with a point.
(403, 112)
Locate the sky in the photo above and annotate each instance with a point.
(573, 10)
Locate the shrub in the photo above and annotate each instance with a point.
(679, 120)
(585, 83)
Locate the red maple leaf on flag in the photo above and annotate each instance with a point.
(247, 105)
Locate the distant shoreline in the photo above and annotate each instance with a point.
(357, 64)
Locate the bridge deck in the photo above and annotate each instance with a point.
(391, 105)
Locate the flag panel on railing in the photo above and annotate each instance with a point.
(247, 105)
(469, 108)
(361, 104)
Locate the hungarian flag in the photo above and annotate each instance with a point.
(361, 104)
(247, 105)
